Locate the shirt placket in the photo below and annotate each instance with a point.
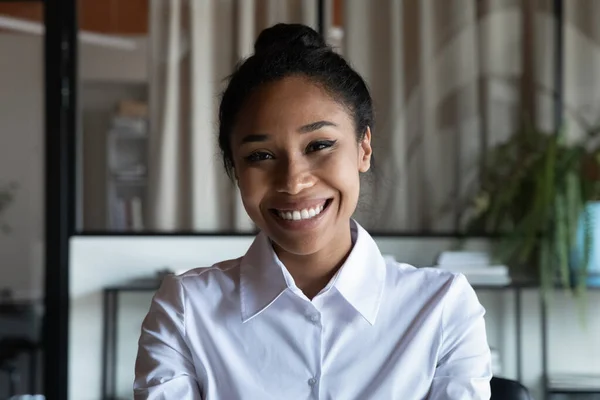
(315, 318)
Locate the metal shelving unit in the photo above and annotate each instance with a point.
(564, 391)
(126, 174)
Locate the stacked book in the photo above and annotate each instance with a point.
(130, 119)
(127, 214)
(476, 266)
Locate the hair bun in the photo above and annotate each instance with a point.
(288, 35)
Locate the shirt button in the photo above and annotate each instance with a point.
(315, 318)
(312, 381)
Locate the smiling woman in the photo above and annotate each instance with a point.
(313, 308)
(309, 159)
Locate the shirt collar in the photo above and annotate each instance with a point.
(261, 277)
(360, 280)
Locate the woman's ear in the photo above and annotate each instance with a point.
(365, 151)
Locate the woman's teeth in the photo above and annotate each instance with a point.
(298, 215)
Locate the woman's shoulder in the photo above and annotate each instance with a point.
(220, 267)
(429, 285)
(219, 274)
(403, 274)
(197, 291)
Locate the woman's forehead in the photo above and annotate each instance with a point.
(291, 101)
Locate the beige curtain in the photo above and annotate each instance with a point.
(451, 78)
(194, 46)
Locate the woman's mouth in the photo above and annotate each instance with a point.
(302, 214)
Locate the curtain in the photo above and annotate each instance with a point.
(194, 46)
(452, 78)
(449, 79)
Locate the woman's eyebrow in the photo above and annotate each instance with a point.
(255, 137)
(263, 137)
(315, 126)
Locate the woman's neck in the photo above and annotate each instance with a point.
(313, 272)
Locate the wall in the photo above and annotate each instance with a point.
(103, 261)
(103, 64)
(21, 143)
(21, 157)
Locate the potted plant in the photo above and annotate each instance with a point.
(537, 194)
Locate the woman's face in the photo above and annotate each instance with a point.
(297, 163)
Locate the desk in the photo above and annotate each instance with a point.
(109, 337)
(111, 304)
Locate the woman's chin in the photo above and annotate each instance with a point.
(303, 245)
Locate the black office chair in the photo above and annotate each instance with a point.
(506, 389)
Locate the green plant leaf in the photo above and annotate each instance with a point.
(561, 238)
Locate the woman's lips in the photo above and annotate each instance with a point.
(304, 218)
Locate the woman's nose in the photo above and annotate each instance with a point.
(294, 176)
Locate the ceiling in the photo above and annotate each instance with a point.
(115, 17)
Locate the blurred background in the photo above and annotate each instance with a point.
(487, 120)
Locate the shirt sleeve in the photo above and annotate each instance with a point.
(164, 367)
(463, 370)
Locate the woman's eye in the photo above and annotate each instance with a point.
(320, 145)
(258, 156)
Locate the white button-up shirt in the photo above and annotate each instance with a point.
(380, 330)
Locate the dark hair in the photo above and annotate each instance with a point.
(292, 49)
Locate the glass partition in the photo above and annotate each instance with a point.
(21, 197)
(450, 82)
